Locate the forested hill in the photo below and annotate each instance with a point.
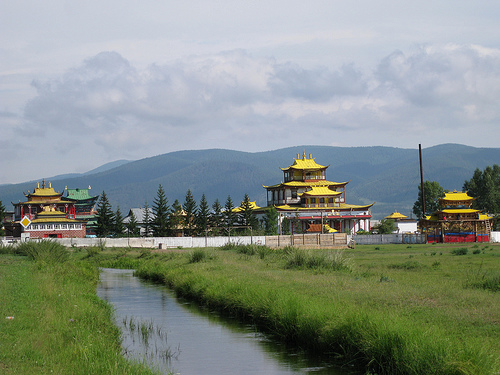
(385, 175)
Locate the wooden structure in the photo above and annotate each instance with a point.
(306, 198)
(457, 221)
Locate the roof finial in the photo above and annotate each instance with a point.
(304, 155)
(43, 183)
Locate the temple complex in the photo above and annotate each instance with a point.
(45, 214)
(457, 221)
(311, 203)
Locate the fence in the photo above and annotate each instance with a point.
(396, 238)
(315, 240)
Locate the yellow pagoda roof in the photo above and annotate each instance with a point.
(329, 229)
(307, 184)
(460, 211)
(320, 191)
(54, 220)
(253, 206)
(341, 207)
(304, 163)
(396, 215)
(457, 196)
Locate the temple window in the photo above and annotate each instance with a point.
(49, 226)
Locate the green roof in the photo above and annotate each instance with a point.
(79, 194)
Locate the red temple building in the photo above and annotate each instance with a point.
(311, 203)
(45, 214)
(457, 221)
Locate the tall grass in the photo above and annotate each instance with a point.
(407, 326)
(44, 251)
(59, 325)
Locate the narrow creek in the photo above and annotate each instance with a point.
(175, 336)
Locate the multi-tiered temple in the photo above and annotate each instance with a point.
(45, 214)
(309, 201)
(457, 221)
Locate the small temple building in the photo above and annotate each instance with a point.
(457, 221)
(84, 207)
(46, 214)
(311, 203)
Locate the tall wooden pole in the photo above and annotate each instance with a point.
(421, 180)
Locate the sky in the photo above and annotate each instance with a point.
(83, 83)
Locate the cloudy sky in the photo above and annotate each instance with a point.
(83, 83)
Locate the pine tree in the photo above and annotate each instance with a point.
(119, 227)
(147, 220)
(247, 216)
(176, 220)
(191, 212)
(216, 219)
(132, 226)
(161, 211)
(203, 216)
(105, 217)
(229, 215)
(271, 221)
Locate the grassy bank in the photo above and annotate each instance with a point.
(390, 309)
(51, 320)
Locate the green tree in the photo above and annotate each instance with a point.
(203, 216)
(386, 226)
(229, 215)
(271, 221)
(105, 217)
(161, 211)
(2, 217)
(191, 213)
(132, 226)
(433, 191)
(147, 220)
(176, 220)
(216, 219)
(485, 187)
(247, 216)
(118, 227)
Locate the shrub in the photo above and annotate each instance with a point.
(197, 256)
(460, 251)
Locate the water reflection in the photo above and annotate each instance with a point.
(176, 336)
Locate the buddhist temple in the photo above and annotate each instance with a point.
(457, 221)
(84, 207)
(311, 203)
(46, 215)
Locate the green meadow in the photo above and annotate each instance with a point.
(388, 309)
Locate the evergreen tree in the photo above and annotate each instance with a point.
(119, 227)
(271, 221)
(191, 212)
(247, 216)
(229, 215)
(105, 217)
(2, 217)
(216, 219)
(132, 226)
(147, 220)
(433, 191)
(203, 216)
(161, 211)
(176, 220)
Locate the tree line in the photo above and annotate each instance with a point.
(190, 218)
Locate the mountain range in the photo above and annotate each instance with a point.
(387, 176)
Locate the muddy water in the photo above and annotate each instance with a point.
(176, 336)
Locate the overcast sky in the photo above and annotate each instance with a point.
(83, 83)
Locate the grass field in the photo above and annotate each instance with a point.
(424, 309)
(391, 309)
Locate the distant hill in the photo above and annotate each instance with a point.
(386, 175)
